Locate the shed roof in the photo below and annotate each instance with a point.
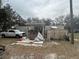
(33, 24)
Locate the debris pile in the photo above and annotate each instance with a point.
(38, 41)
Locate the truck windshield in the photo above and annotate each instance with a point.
(17, 31)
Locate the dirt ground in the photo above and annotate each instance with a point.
(7, 41)
(49, 50)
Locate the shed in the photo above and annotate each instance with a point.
(29, 27)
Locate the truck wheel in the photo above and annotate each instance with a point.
(3, 36)
(17, 36)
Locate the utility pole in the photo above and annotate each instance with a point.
(71, 17)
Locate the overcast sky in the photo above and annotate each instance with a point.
(42, 8)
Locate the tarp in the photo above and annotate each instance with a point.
(39, 37)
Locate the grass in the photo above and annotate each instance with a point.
(7, 41)
(76, 35)
(64, 48)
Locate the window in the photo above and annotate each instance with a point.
(11, 31)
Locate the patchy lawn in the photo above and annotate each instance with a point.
(7, 41)
(62, 50)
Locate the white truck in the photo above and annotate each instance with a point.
(13, 33)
